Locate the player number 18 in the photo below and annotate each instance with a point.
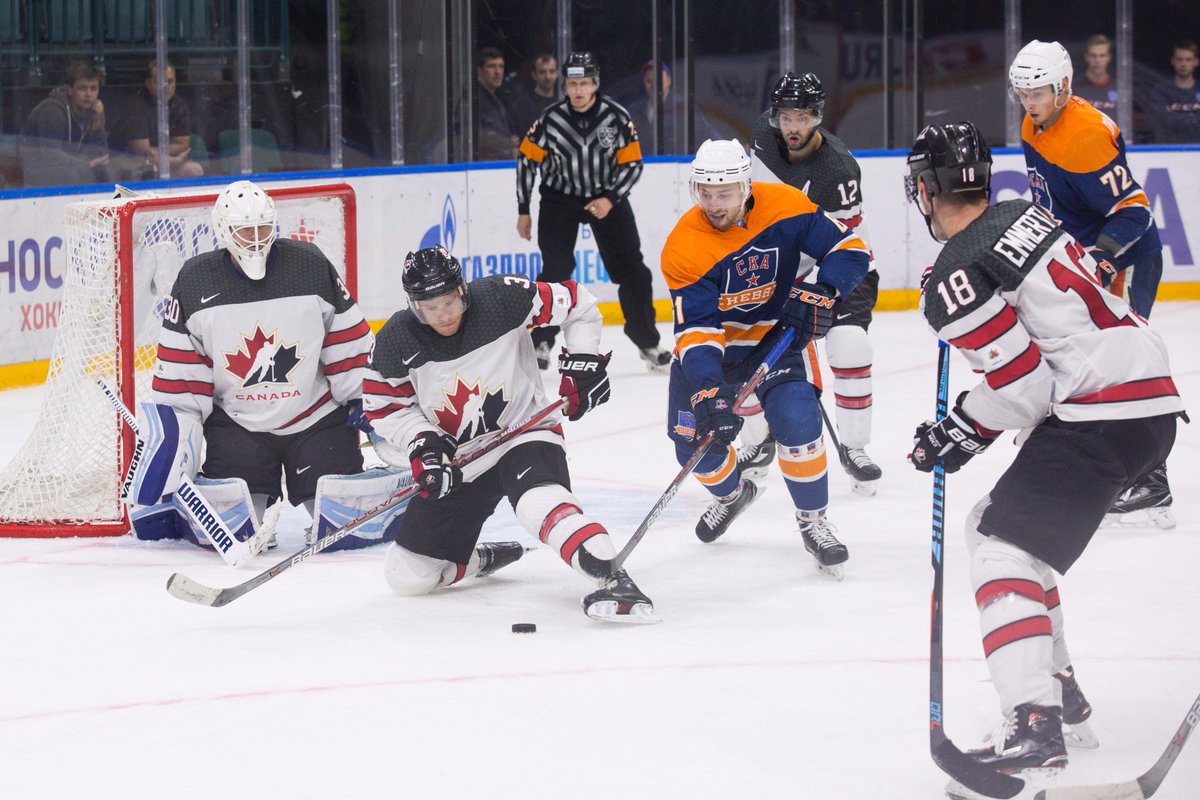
(960, 287)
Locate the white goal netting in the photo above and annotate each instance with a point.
(122, 259)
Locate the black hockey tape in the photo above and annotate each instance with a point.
(524, 627)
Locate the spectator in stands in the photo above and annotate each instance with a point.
(528, 99)
(137, 130)
(1175, 103)
(1096, 84)
(643, 108)
(495, 137)
(63, 140)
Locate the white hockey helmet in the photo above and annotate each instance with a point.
(721, 162)
(1042, 64)
(238, 216)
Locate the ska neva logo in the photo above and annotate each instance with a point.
(1040, 191)
(262, 360)
(470, 410)
(750, 279)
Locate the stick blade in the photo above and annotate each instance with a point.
(183, 587)
(972, 774)
(1129, 790)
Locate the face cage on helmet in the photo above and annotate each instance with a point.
(817, 111)
(250, 251)
(415, 304)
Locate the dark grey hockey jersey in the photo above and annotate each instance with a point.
(830, 177)
(482, 379)
(276, 354)
(1019, 297)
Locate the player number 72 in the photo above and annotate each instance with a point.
(1117, 180)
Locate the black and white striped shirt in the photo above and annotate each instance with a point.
(588, 155)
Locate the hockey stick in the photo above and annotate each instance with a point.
(843, 456)
(747, 389)
(949, 758)
(1145, 785)
(185, 588)
(234, 551)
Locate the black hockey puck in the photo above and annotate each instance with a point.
(524, 627)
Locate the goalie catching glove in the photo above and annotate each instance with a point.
(713, 408)
(954, 440)
(584, 383)
(430, 455)
(809, 309)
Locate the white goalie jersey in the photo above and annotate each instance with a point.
(1019, 297)
(484, 378)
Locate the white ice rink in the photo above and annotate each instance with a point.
(765, 680)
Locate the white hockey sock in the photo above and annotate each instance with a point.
(554, 516)
(850, 356)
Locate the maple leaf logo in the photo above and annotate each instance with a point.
(261, 360)
(469, 412)
(304, 233)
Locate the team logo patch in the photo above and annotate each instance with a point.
(685, 424)
(1040, 190)
(607, 134)
(750, 278)
(470, 410)
(263, 360)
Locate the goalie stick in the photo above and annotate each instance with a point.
(747, 389)
(1141, 787)
(946, 755)
(184, 588)
(234, 551)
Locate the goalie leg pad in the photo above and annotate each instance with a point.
(850, 355)
(159, 521)
(1013, 618)
(342, 498)
(551, 513)
(230, 499)
(170, 447)
(411, 574)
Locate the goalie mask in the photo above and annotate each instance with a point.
(430, 274)
(947, 158)
(244, 221)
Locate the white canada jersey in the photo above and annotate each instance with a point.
(485, 377)
(276, 355)
(1019, 297)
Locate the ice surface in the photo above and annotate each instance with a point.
(765, 680)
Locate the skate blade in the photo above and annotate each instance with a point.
(1160, 517)
(1080, 735)
(834, 571)
(864, 488)
(609, 611)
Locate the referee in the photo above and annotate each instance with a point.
(588, 149)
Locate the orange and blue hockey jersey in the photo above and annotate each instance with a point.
(727, 286)
(1078, 173)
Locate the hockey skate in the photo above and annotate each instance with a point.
(862, 469)
(1077, 732)
(755, 460)
(656, 358)
(620, 600)
(1028, 741)
(820, 540)
(1145, 504)
(495, 555)
(542, 351)
(722, 511)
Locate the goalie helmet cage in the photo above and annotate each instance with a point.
(122, 259)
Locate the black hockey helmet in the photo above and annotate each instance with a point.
(431, 272)
(949, 158)
(581, 64)
(797, 91)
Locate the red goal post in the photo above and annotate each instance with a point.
(122, 258)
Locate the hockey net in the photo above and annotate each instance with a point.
(122, 259)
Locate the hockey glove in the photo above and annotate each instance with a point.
(1105, 269)
(809, 309)
(953, 441)
(430, 455)
(584, 382)
(714, 412)
(357, 418)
